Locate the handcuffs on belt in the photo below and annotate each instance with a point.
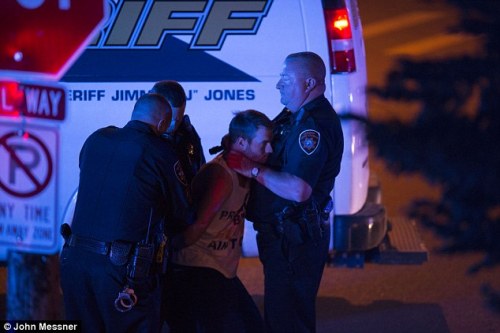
(126, 300)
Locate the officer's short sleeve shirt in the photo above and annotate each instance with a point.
(309, 146)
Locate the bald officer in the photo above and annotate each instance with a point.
(290, 197)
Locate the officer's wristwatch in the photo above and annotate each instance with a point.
(255, 172)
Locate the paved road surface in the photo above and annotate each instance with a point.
(436, 297)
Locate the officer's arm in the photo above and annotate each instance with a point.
(282, 184)
(211, 187)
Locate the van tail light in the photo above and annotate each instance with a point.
(340, 44)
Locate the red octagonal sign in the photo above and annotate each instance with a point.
(40, 39)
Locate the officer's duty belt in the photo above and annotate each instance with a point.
(89, 244)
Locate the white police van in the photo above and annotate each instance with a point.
(228, 56)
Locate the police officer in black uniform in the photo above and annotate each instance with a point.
(187, 144)
(181, 132)
(290, 198)
(128, 193)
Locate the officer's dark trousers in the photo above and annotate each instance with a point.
(292, 276)
(91, 283)
(199, 299)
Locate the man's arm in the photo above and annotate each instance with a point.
(282, 184)
(211, 187)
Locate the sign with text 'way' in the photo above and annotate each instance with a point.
(32, 100)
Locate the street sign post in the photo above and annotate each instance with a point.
(40, 39)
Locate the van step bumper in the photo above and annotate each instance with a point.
(401, 246)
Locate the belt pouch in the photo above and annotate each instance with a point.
(119, 253)
(314, 229)
(139, 266)
(312, 223)
(292, 232)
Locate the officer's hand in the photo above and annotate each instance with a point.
(239, 163)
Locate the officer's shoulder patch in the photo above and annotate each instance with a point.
(179, 173)
(309, 141)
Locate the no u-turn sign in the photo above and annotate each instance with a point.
(28, 169)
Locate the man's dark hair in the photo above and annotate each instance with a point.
(245, 123)
(172, 91)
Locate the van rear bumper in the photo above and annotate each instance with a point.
(362, 231)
